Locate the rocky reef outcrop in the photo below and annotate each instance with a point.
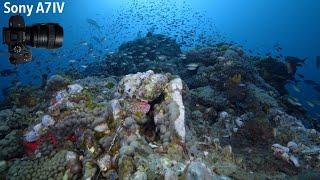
(210, 113)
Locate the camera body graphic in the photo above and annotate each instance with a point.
(18, 37)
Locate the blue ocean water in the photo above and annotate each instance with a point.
(258, 26)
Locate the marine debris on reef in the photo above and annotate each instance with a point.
(151, 111)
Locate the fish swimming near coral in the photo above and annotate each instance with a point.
(292, 63)
(295, 60)
(192, 66)
(162, 57)
(183, 56)
(296, 88)
(310, 104)
(290, 69)
(316, 102)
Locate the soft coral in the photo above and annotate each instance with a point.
(31, 147)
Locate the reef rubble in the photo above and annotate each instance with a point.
(160, 119)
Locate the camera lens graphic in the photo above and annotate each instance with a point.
(48, 35)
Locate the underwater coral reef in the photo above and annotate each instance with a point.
(151, 111)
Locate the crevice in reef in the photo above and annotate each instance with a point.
(158, 100)
(149, 129)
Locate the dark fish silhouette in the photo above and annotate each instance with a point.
(318, 62)
(295, 60)
(292, 63)
(44, 78)
(96, 39)
(3, 53)
(8, 72)
(54, 54)
(93, 23)
(301, 75)
(317, 88)
(310, 82)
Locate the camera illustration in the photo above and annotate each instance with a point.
(18, 37)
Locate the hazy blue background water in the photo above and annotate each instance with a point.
(257, 25)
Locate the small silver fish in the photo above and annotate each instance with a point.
(183, 56)
(84, 43)
(296, 88)
(192, 66)
(310, 104)
(162, 57)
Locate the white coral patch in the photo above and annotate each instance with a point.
(294, 160)
(131, 82)
(60, 96)
(31, 136)
(280, 148)
(176, 87)
(104, 162)
(101, 127)
(37, 128)
(74, 88)
(47, 121)
(223, 115)
(71, 156)
(115, 108)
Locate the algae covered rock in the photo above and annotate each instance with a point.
(4, 130)
(164, 93)
(257, 130)
(197, 170)
(3, 168)
(159, 166)
(262, 96)
(89, 169)
(145, 86)
(231, 54)
(43, 168)
(126, 167)
(11, 145)
(140, 175)
(207, 96)
(170, 114)
(56, 83)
